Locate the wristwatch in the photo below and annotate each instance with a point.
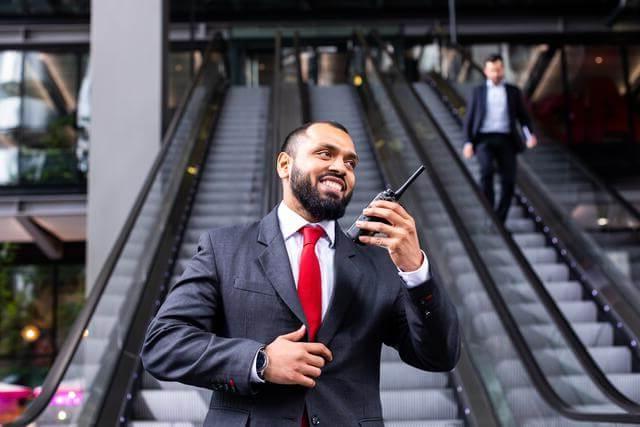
(262, 361)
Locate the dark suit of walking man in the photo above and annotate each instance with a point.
(233, 321)
(492, 134)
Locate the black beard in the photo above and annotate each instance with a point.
(320, 208)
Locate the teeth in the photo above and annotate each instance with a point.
(333, 185)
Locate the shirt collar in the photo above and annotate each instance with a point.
(490, 84)
(290, 222)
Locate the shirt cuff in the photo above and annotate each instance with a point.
(416, 277)
(254, 371)
(527, 133)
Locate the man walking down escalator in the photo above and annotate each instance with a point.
(491, 129)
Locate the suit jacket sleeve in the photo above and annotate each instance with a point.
(521, 110)
(181, 343)
(470, 116)
(424, 328)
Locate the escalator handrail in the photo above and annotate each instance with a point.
(303, 88)
(273, 139)
(531, 365)
(76, 333)
(604, 186)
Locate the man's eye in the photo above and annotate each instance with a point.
(351, 164)
(324, 154)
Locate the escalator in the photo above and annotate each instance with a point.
(596, 332)
(230, 192)
(543, 298)
(606, 212)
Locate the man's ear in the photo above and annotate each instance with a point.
(283, 165)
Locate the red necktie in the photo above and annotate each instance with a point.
(310, 286)
(309, 281)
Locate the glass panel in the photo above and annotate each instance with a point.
(48, 122)
(598, 105)
(71, 296)
(634, 83)
(10, 105)
(183, 66)
(459, 70)
(26, 326)
(83, 117)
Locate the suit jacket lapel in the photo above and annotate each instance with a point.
(483, 104)
(348, 279)
(275, 263)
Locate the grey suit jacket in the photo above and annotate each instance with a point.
(238, 294)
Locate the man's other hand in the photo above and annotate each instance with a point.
(532, 141)
(401, 236)
(467, 151)
(294, 362)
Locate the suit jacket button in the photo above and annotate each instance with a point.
(315, 420)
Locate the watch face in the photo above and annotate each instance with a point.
(261, 361)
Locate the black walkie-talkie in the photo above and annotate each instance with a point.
(392, 196)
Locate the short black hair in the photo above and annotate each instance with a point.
(494, 57)
(288, 146)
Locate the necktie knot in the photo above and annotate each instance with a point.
(311, 234)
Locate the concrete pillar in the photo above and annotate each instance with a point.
(128, 56)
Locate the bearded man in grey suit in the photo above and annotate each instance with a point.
(285, 335)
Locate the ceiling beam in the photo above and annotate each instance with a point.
(48, 243)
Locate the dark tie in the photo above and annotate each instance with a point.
(310, 286)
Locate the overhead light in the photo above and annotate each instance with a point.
(30, 333)
(599, 60)
(603, 221)
(62, 415)
(192, 170)
(357, 80)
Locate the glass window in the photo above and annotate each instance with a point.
(548, 103)
(26, 325)
(10, 106)
(44, 118)
(48, 118)
(597, 94)
(70, 294)
(633, 53)
(183, 66)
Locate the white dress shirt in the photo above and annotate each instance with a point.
(496, 119)
(290, 224)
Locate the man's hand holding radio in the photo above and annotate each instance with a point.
(401, 237)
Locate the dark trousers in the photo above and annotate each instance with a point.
(497, 150)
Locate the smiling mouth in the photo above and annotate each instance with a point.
(333, 183)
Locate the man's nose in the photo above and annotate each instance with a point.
(338, 165)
